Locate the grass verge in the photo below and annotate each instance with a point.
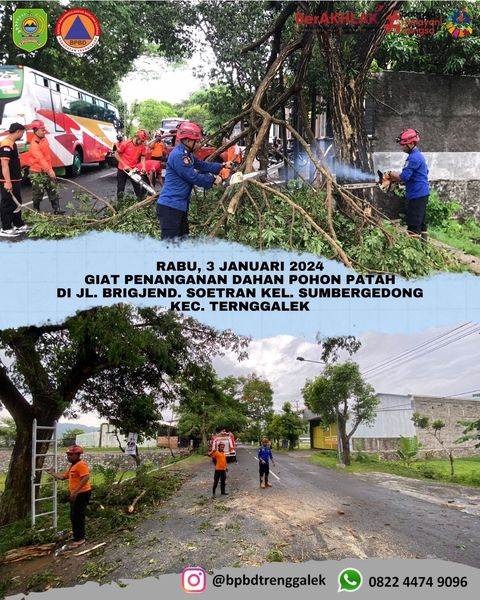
(467, 470)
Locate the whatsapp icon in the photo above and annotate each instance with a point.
(350, 580)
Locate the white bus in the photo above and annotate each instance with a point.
(82, 128)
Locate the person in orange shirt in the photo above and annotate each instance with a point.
(221, 469)
(40, 162)
(78, 476)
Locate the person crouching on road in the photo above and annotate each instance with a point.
(220, 473)
(128, 154)
(264, 456)
(10, 183)
(182, 174)
(78, 476)
(415, 177)
(40, 165)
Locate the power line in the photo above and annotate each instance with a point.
(463, 393)
(418, 352)
(405, 353)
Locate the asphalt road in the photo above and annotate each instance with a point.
(102, 182)
(310, 513)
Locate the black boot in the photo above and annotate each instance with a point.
(56, 208)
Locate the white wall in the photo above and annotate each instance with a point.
(394, 414)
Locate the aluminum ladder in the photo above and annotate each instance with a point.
(36, 487)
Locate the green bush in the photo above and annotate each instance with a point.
(439, 213)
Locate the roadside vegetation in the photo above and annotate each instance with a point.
(467, 470)
(463, 234)
(108, 509)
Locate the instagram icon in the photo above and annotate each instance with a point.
(194, 579)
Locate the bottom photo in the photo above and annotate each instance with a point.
(139, 442)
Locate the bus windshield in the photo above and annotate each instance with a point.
(11, 85)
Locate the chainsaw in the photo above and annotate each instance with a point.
(384, 183)
(237, 177)
(137, 177)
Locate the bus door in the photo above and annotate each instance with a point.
(57, 111)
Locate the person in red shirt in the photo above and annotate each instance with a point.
(78, 476)
(129, 153)
(153, 169)
(221, 469)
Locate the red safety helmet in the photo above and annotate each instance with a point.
(143, 134)
(408, 136)
(36, 124)
(189, 131)
(75, 450)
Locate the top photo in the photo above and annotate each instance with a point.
(347, 130)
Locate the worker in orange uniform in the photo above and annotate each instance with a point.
(128, 154)
(157, 147)
(221, 469)
(78, 476)
(158, 154)
(234, 158)
(40, 162)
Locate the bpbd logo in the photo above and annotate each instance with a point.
(77, 30)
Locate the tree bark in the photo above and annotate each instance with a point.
(15, 500)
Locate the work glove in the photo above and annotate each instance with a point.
(218, 180)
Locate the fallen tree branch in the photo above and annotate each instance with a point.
(333, 243)
(131, 507)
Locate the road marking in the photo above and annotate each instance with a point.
(109, 174)
(271, 472)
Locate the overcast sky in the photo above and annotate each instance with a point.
(447, 371)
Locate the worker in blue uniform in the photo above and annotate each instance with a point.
(184, 170)
(415, 177)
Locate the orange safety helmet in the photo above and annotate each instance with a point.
(408, 136)
(189, 131)
(143, 134)
(75, 450)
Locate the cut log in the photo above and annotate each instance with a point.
(27, 552)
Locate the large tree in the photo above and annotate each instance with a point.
(124, 363)
(341, 395)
